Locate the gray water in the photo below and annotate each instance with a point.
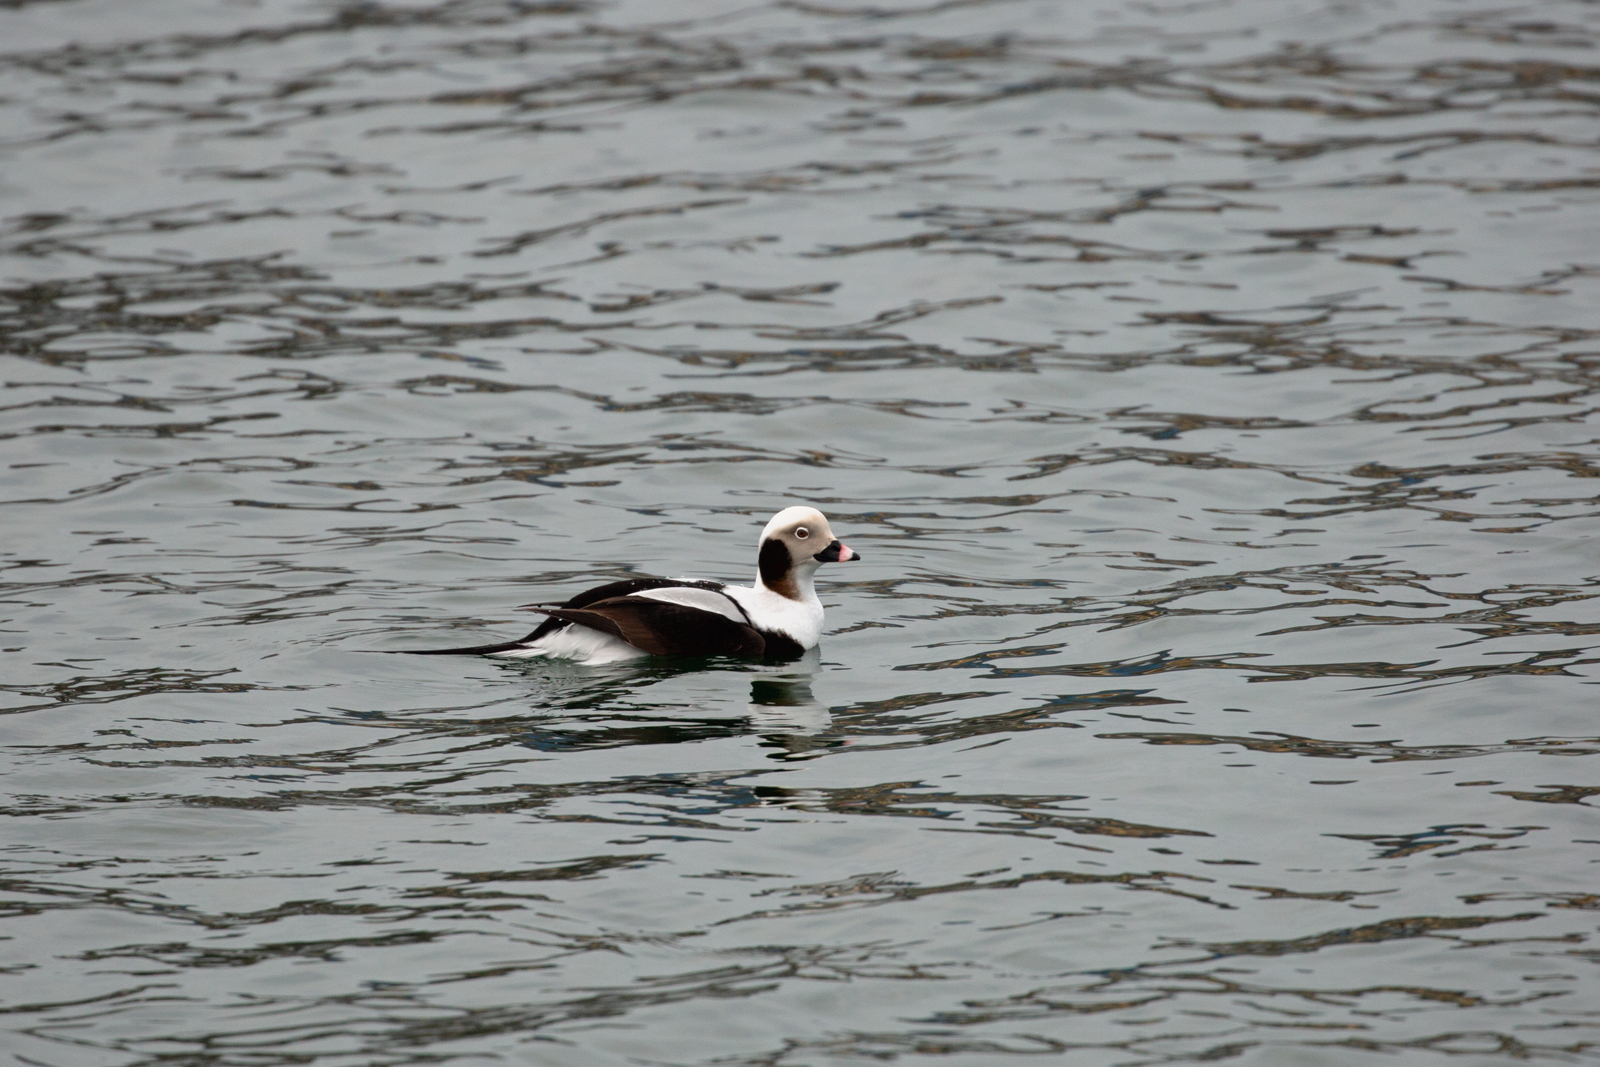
(1211, 388)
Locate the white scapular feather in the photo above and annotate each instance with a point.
(690, 597)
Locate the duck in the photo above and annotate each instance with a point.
(778, 616)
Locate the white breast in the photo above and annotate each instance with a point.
(799, 619)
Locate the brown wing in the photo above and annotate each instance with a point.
(664, 629)
(604, 592)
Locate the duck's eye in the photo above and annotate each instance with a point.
(801, 532)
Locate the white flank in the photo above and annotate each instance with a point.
(581, 644)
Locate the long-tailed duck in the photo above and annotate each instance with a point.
(779, 616)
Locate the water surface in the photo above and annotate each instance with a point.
(1210, 387)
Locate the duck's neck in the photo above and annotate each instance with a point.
(796, 584)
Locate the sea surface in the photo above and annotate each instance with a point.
(1212, 388)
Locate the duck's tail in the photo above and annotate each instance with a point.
(470, 650)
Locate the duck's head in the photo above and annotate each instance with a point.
(794, 544)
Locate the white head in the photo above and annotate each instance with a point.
(794, 544)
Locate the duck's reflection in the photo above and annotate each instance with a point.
(781, 701)
(597, 708)
(785, 713)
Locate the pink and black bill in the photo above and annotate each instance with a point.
(837, 552)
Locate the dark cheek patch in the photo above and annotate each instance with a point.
(773, 562)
